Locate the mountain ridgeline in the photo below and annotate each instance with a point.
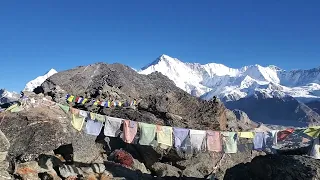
(160, 101)
(253, 89)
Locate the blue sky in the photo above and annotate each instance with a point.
(38, 35)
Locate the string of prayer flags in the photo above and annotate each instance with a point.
(186, 140)
(107, 103)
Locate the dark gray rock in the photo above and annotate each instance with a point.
(34, 132)
(166, 170)
(160, 101)
(277, 168)
(286, 111)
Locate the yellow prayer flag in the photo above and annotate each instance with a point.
(246, 135)
(85, 100)
(313, 131)
(92, 116)
(77, 122)
(12, 107)
(164, 135)
(70, 99)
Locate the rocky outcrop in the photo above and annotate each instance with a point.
(39, 141)
(286, 111)
(276, 167)
(4, 148)
(160, 101)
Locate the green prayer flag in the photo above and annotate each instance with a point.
(148, 133)
(64, 108)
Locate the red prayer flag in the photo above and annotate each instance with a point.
(284, 134)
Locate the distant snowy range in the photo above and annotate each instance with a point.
(268, 95)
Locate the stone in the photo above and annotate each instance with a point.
(192, 172)
(163, 170)
(85, 149)
(29, 170)
(137, 165)
(4, 142)
(5, 175)
(201, 163)
(34, 132)
(119, 171)
(276, 167)
(70, 171)
(49, 162)
(3, 156)
(91, 177)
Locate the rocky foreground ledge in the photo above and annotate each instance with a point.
(40, 143)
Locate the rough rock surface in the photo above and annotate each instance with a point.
(163, 170)
(39, 142)
(160, 100)
(4, 148)
(277, 168)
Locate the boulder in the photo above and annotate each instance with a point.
(166, 170)
(276, 167)
(85, 149)
(35, 131)
(31, 171)
(137, 165)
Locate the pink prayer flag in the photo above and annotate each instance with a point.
(129, 131)
(214, 141)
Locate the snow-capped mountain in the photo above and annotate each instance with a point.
(231, 84)
(6, 96)
(30, 86)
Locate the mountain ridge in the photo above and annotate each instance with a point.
(212, 79)
(250, 87)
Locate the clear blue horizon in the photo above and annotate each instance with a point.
(39, 35)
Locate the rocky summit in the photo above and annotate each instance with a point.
(39, 142)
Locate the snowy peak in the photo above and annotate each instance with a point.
(30, 86)
(6, 96)
(161, 60)
(231, 84)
